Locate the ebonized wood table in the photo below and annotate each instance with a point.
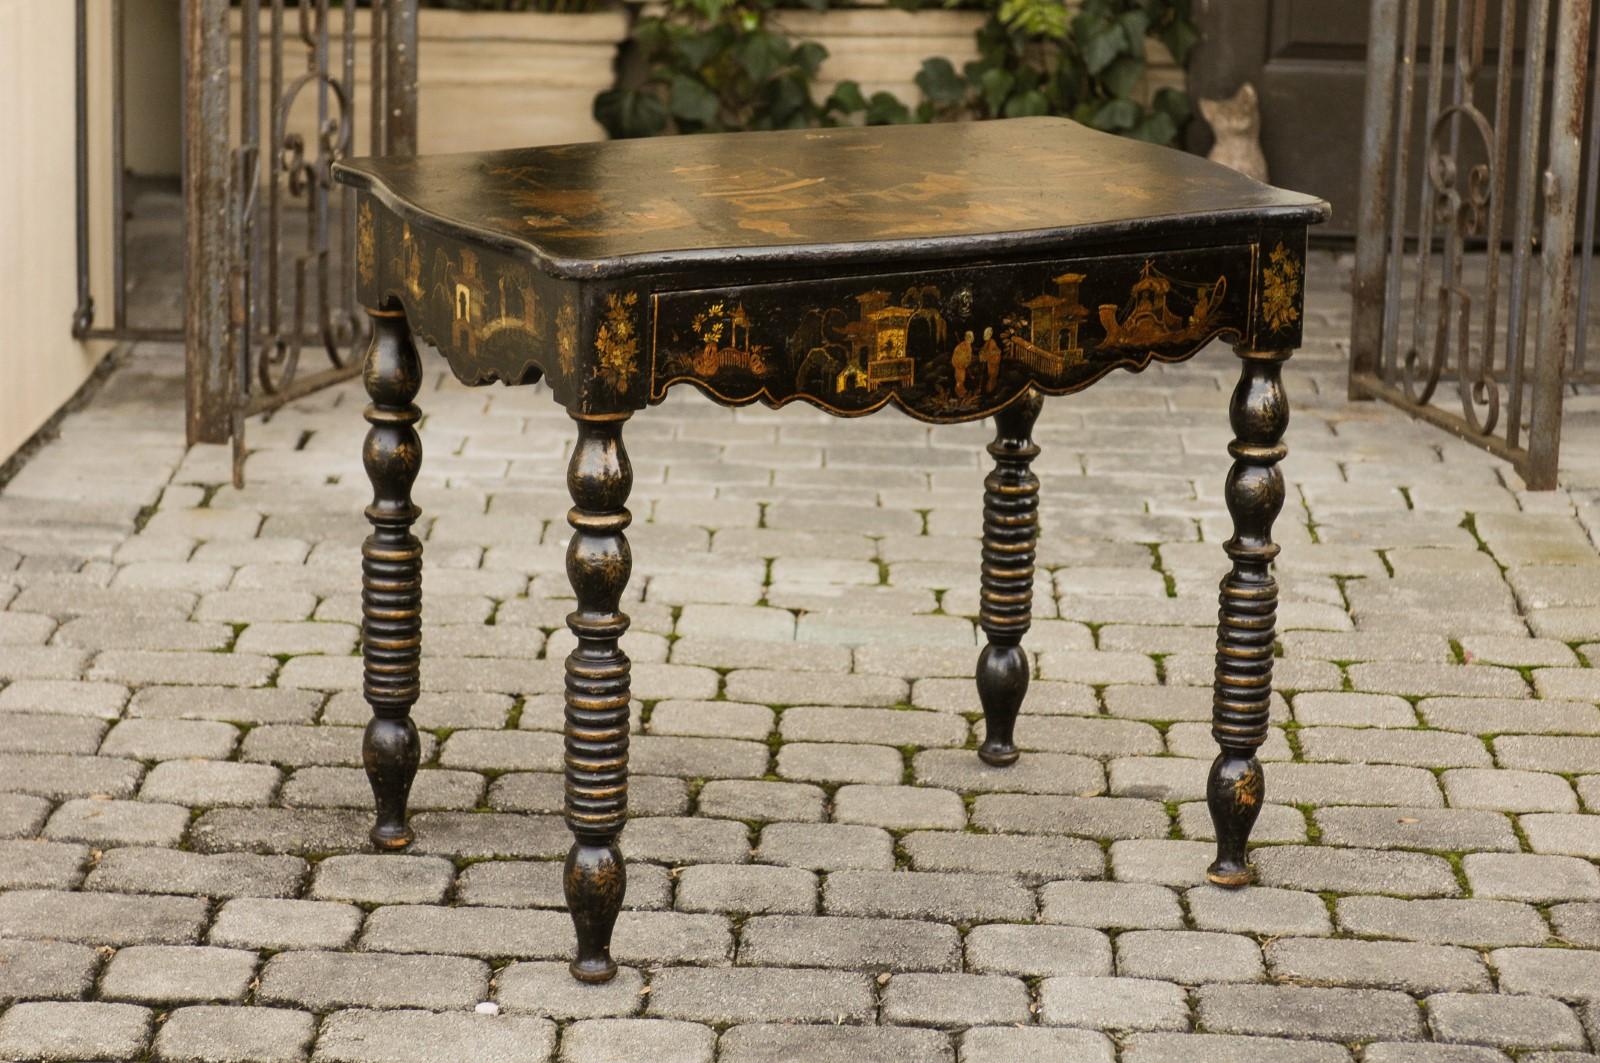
(954, 271)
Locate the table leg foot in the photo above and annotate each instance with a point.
(391, 575)
(596, 879)
(390, 751)
(1233, 794)
(1002, 684)
(1246, 628)
(1005, 609)
(597, 692)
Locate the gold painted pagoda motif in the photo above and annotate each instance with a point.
(1148, 319)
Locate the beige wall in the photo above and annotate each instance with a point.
(41, 365)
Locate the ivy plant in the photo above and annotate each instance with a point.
(715, 66)
(1038, 57)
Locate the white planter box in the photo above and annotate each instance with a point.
(485, 79)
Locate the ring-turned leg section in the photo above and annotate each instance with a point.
(598, 563)
(391, 575)
(1005, 608)
(1259, 412)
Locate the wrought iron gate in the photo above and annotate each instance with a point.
(269, 242)
(1460, 287)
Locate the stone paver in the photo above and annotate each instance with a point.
(177, 974)
(366, 1036)
(208, 1032)
(1113, 1003)
(821, 868)
(73, 1031)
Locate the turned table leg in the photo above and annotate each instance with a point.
(1259, 413)
(598, 563)
(1005, 609)
(391, 574)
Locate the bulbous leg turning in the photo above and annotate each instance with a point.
(596, 880)
(597, 691)
(1005, 607)
(391, 575)
(390, 752)
(1246, 619)
(1002, 684)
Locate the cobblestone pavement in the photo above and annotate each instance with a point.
(821, 868)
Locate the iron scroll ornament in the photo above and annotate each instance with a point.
(277, 348)
(1463, 213)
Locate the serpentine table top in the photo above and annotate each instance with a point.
(610, 268)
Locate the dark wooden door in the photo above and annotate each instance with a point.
(1306, 59)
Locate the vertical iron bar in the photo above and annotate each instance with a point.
(1394, 284)
(1560, 202)
(317, 190)
(119, 174)
(347, 195)
(273, 156)
(246, 247)
(377, 83)
(1463, 86)
(1376, 205)
(400, 79)
(1438, 13)
(206, 249)
(1580, 348)
(1534, 49)
(1497, 176)
(83, 316)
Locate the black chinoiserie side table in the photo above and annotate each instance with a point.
(955, 271)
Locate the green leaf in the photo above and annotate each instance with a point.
(1116, 116)
(808, 56)
(1036, 18)
(630, 113)
(1175, 103)
(1122, 76)
(788, 99)
(1157, 127)
(995, 85)
(1102, 47)
(761, 54)
(1135, 24)
(651, 35)
(1180, 39)
(1025, 104)
(939, 81)
(847, 98)
(697, 49)
(692, 101)
(885, 108)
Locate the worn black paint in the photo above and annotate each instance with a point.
(1005, 603)
(391, 576)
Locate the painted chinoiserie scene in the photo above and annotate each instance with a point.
(950, 344)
